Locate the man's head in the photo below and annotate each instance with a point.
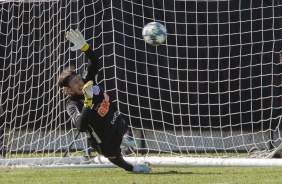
(71, 82)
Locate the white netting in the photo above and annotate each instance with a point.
(213, 89)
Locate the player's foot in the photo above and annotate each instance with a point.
(141, 168)
(127, 141)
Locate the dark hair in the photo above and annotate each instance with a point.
(66, 75)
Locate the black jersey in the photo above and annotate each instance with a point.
(99, 119)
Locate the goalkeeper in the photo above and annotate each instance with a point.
(92, 110)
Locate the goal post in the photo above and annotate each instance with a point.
(211, 95)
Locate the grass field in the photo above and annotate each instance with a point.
(171, 175)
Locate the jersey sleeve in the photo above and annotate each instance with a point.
(79, 118)
(93, 66)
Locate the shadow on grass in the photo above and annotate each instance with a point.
(167, 172)
(180, 173)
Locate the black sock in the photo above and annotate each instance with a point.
(121, 163)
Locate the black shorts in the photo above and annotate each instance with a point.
(111, 148)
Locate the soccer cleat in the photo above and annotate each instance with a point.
(127, 141)
(141, 168)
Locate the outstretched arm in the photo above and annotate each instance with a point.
(80, 43)
(80, 115)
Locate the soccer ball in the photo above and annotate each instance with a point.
(154, 33)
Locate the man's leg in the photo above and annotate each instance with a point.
(112, 151)
(119, 161)
(137, 168)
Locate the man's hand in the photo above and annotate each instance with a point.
(88, 93)
(77, 39)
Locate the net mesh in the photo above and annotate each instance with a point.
(213, 87)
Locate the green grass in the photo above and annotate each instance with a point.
(162, 175)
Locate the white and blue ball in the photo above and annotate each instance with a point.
(154, 33)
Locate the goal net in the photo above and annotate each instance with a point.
(213, 90)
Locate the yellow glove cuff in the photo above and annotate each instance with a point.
(87, 103)
(85, 47)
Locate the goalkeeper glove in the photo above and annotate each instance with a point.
(78, 40)
(88, 93)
